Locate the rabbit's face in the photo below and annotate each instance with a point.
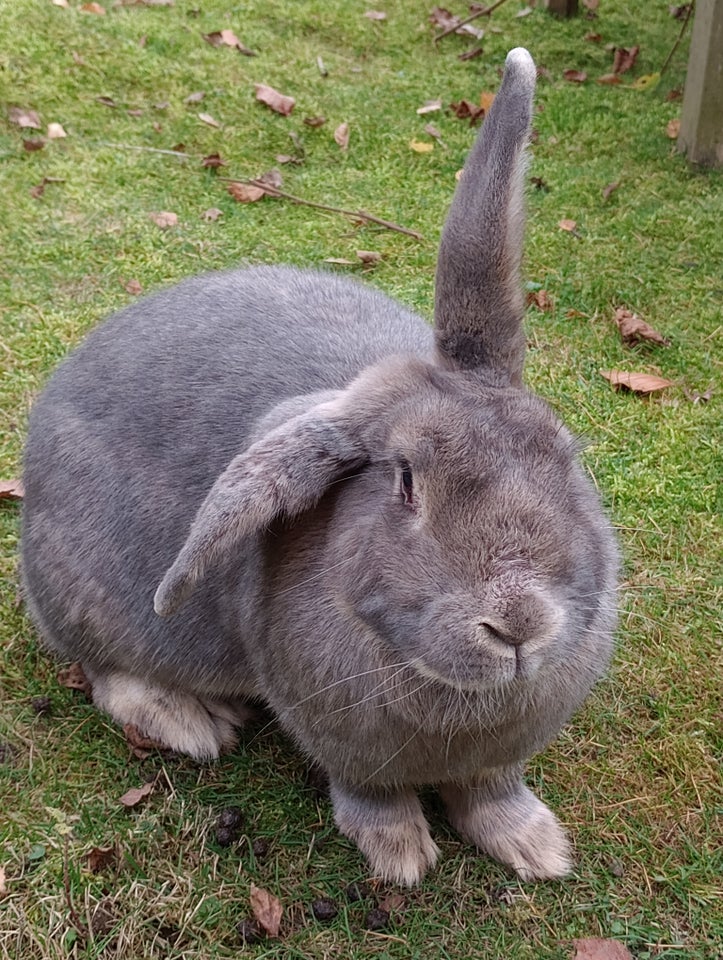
(478, 549)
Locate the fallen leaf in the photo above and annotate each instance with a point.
(276, 101)
(486, 99)
(3, 883)
(157, 126)
(471, 54)
(392, 903)
(321, 68)
(287, 158)
(272, 178)
(609, 189)
(575, 76)
(34, 144)
(465, 109)
(439, 17)
(674, 94)
(213, 161)
(246, 192)
(680, 11)
(77, 59)
(375, 15)
(591, 4)
(540, 299)
(642, 383)
(341, 260)
(524, 12)
(133, 287)
(267, 909)
(93, 8)
(608, 79)
(341, 135)
(647, 82)
(134, 796)
(419, 146)
(164, 219)
(569, 225)
(11, 490)
(207, 118)
(634, 330)
(697, 397)
(195, 97)
(314, 121)
(369, 257)
(137, 112)
(61, 3)
(673, 128)
(429, 106)
(56, 132)
(433, 132)
(593, 37)
(27, 119)
(74, 678)
(106, 101)
(227, 38)
(141, 746)
(539, 184)
(213, 213)
(99, 858)
(624, 58)
(595, 948)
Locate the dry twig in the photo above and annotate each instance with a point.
(473, 16)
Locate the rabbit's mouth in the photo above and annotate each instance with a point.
(506, 669)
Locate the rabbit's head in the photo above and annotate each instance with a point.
(459, 527)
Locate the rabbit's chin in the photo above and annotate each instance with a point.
(508, 669)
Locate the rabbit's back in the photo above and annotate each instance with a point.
(134, 427)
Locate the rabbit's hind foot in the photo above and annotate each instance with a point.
(179, 720)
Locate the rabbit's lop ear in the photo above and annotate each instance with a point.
(479, 298)
(284, 473)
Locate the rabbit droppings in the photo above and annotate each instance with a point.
(366, 524)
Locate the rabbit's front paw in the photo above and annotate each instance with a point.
(517, 829)
(390, 830)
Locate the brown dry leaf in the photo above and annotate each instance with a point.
(246, 192)
(267, 909)
(314, 121)
(680, 11)
(141, 745)
(136, 112)
(213, 213)
(634, 330)
(133, 287)
(642, 383)
(429, 106)
(100, 857)
(486, 100)
(341, 135)
(164, 219)
(211, 121)
(393, 903)
(28, 119)
(575, 76)
(375, 15)
(74, 678)
(213, 161)
(272, 178)
(3, 883)
(134, 796)
(674, 94)
(11, 490)
(434, 132)
(369, 257)
(93, 8)
(608, 79)
(569, 225)
(278, 102)
(420, 146)
(471, 54)
(673, 128)
(227, 38)
(593, 37)
(466, 110)
(595, 948)
(56, 131)
(106, 101)
(195, 97)
(609, 189)
(591, 4)
(540, 299)
(624, 58)
(33, 144)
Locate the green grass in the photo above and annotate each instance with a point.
(635, 776)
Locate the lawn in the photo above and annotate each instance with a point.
(635, 776)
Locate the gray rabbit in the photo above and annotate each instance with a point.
(366, 524)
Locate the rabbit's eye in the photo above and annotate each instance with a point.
(407, 485)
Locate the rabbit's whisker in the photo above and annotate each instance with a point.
(379, 690)
(353, 676)
(394, 755)
(316, 576)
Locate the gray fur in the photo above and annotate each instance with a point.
(239, 444)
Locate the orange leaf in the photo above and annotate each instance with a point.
(276, 101)
(341, 135)
(609, 79)
(246, 192)
(569, 225)
(11, 490)
(486, 100)
(642, 383)
(575, 76)
(93, 8)
(267, 909)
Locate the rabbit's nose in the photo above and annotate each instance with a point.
(501, 633)
(531, 616)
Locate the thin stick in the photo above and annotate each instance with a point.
(689, 12)
(355, 214)
(80, 927)
(133, 146)
(473, 16)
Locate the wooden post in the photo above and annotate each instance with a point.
(701, 121)
(562, 8)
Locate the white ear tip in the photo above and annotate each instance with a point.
(520, 61)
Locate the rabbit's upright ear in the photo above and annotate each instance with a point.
(479, 298)
(285, 472)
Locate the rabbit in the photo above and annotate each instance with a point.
(278, 485)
